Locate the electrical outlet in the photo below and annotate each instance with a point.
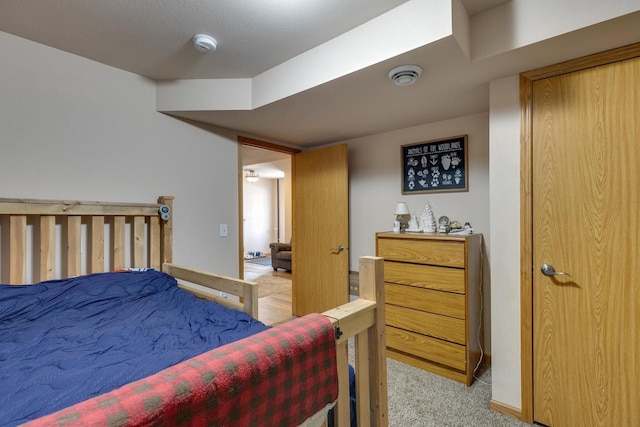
(224, 230)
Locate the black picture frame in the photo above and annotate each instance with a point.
(436, 166)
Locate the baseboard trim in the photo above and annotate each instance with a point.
(505, 409)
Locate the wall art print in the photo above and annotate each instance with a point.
(435, 166)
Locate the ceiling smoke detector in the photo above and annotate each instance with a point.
(204, 43)
(405, 75)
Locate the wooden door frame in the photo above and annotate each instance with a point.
(526, 202)
(244, 141)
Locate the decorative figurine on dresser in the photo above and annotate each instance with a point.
(432, 301)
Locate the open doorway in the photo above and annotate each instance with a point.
(266, 218)
(266, 194)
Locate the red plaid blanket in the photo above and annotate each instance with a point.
(278, 377)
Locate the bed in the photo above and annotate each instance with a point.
(65, 243)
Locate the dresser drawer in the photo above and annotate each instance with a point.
(435, 325)
(425, 276)
(438, 302)
(443, 352)
(434, 252)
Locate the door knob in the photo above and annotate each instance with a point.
(337, 249)
(548, 270)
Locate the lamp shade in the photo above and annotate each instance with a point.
(402, 209)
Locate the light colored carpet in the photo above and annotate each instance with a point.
(269, 285)
(419, 398)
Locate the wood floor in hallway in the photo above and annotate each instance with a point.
(272, 309)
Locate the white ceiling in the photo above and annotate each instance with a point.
(153, 38)
(266, 163)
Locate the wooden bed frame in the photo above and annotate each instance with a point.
(46, 239)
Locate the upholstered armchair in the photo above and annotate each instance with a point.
(280, 255)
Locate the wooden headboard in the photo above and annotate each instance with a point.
(52, 239)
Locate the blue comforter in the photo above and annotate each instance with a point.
(64, 341)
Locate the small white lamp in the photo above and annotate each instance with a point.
(402, 210)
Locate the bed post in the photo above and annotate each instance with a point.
(371, 282)
(166, 231)
(363, 319)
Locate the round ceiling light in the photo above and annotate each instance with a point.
(405, 75)
(204, 43)
(252, 176)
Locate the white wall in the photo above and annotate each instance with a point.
(71, 128)
(259, 216)
(284, 226)
(505, 240)
(374, 177)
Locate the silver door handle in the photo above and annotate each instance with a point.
(337, 249)
(548, 270)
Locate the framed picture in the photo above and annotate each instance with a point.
(436, 166)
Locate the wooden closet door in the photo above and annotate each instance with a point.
(586, 210)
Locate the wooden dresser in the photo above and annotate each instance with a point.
(432, 301)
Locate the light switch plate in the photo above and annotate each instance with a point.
(224, 230)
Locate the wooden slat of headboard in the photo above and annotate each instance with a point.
(118, 242)
(139, 258)
(74, 226)
(154, 243)
(97, 244)
(47, 247)
(17, 254)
